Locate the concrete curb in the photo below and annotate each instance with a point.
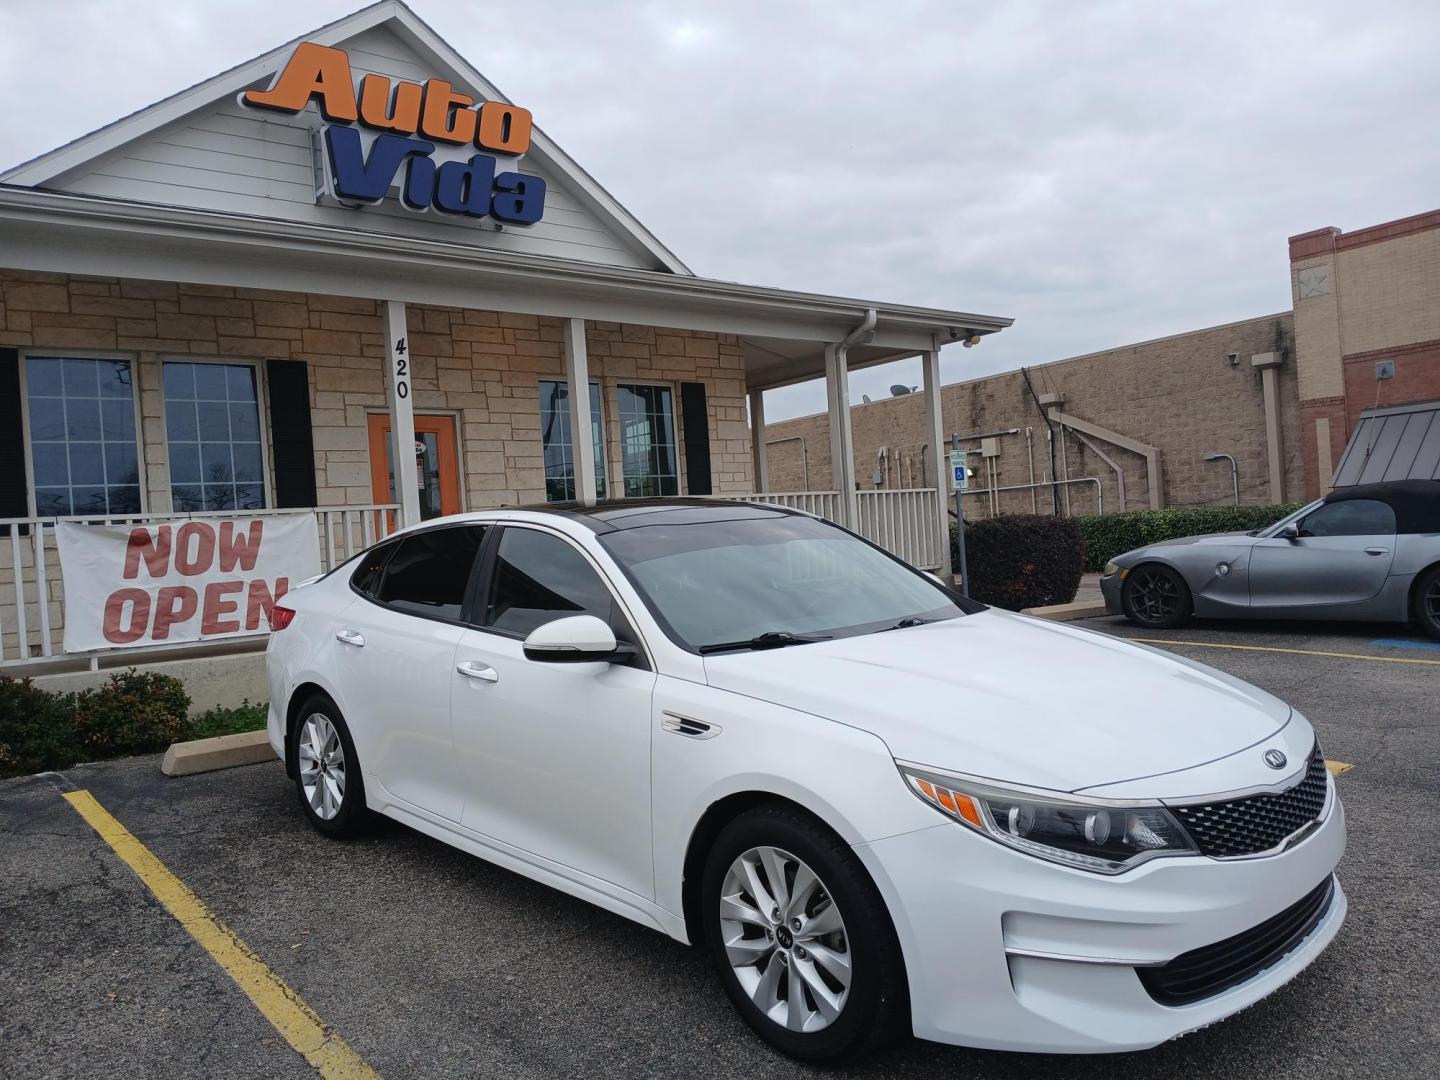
(221, 752)
(1080, 609)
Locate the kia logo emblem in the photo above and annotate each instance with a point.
(1275, 759)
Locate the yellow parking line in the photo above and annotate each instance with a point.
(1337, 767)
(1296, 652)
(319, 1044)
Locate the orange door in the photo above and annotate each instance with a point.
(436, 469)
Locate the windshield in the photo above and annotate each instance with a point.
(730, 582)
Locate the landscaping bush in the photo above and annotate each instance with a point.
(1022, 560)
(134, 712)
(247, 716)
(35, 729)
(1108, 535)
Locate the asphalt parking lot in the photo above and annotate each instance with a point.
(429, 963)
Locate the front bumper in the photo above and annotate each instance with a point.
(1110, 590)
(1009, 952)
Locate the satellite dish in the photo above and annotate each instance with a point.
(865, 399)
(899, 390)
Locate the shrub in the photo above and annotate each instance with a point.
(1108, 535)
(134, 712)
(1022, 560)
(247, 716)
(35, 729)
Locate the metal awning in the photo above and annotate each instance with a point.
(1398, 443)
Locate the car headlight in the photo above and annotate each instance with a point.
(1105, 839)
(1111, 567)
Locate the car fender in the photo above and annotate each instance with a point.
(844, 776)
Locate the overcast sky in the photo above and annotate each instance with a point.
(1102, 172)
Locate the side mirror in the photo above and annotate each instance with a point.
(1289, 532)
(578, 639)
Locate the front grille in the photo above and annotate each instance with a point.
(1207, 971)
(1259, 823)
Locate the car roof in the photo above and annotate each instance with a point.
(633, 513)
(1416, 502)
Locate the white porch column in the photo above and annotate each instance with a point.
(582, 441)
(757, 441)
(402, 413)
(842, 439)
(935, 420)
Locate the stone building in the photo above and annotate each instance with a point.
(1117, 419)
(1367, 332)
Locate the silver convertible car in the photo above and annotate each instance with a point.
(1369, 552)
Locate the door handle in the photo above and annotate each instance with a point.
(473, 669)
(350, 637)
(1377, 551)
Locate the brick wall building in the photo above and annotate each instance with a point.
(1362, 299)
(1184, 396)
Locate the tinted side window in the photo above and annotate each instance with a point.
(1353, 517)
(366, 578)
(540, 578)
(429, 571)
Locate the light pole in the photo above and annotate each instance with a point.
(1234, 471)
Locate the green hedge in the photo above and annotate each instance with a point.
(1108, 535)
(133, 712)
(1022, 560)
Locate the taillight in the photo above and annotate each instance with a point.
(281, 617)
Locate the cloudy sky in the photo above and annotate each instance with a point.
(1102, 172)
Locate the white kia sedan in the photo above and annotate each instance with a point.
(880, 806)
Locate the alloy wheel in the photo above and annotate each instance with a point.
(1431, 602)
(785, 939)
(1154, 595)
(322, 765)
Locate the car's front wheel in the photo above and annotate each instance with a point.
(801, 937)
(1156, 597)
(1426, 607)
(327, 771)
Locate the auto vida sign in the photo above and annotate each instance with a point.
(189, 580)
(404, 130)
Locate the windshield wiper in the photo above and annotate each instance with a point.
(771, 639)
(906, 623)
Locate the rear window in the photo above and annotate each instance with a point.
(425, 573)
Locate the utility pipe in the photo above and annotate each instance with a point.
(804, 456)
(1030, 457)
(1099, 491)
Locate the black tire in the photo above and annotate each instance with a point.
(1425, 602)
(351, 818)
(1156, 597)
(877, 1007)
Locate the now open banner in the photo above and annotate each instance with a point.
(133, 585)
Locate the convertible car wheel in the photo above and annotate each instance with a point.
(1155, 596)
(1427, 602)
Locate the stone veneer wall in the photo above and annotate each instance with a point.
(1178, 393)
(482, 366)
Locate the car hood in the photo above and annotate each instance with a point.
(1229, 539)
(1014, 699)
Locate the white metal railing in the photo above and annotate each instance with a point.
(32, 588)
(824, 504)
(904, 521)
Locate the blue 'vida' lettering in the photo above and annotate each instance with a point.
(367, 179)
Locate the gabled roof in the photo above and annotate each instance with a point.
(51, 169)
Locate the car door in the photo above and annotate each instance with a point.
(395, 651)
(556, 757)
(1341, 556)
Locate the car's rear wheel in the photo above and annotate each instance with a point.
(801, 937)
(1426, 605)
(327, 771)
(1155, 596)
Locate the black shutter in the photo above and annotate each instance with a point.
(696, 418)
(293, 453)
(13, 498)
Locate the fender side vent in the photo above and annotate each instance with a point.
(689, 727)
